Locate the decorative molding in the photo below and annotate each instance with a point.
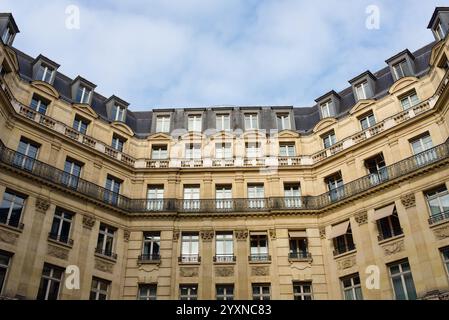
(442, 232)
(148, 267)
(207, 235)
(272, 233)
(408, 200)
(189, 272)
(361, 217)
(347, 263)
(260, 271)
(126, 235)
(8, 237)
(176, 234)
(104, 266)
(393, 247)
(241, 235)
(57, 252)
(42, 205)
(224, 271)
(88, 221)
(323, 233)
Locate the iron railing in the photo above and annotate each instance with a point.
(189, 258)
(149, 257)
(300, 255)
(435, 218)
(224, 258)
(259, 257)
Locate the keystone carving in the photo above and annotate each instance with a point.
(394, 247)
(241, 235)
(441, 233)
(88, 221)
(103, 266)
(42, 205)
(57, 252)
(189, 272)
(126, 235)
(176, 234)
(224, 271)
(347, 263)
(8, 237)
(260, 271)
(322, 233)
(361, 218)
(207, 235)
(272, 233)
(408, 200)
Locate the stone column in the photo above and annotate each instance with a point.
(241, 275)
(207, 291)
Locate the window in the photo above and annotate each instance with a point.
(83, 94)
(117, 143)
(45, 73)
(11, 209)
(159, 152)
(223, 122)
(195, 122)
(329, 139)
(105, 242)
(188, 292)
(439, 30)
(191, 197)
(26, 154)
(80, 124)
(7, 36)
(147, 292)
(38, 104)
(111, 194)
(253, 150)
(367, 121)
(151, 246)
(342, 238)
(259, 247)
(224, 247)
(361, 90)
(335, 186)
(72, 173)
(50, 283)
(388, 222)
(298, 245)
(193, 151)
(326, 109)
(5, 259)
(422, 148)
(409, 100)
(60, 228)
(155, 198)
(251, 121)
(444, 254)
(287, 150)
(292, 194)
(261, 292)
(256, 196)
(352, 290)
(302, 291)
(99, 289)
(438, 201)
(400, 70)
(225, 292)
(190, 248)
(377, 169)
(223, 151)
(223, 197)
(283, 121)
(163, 124)
(118, 113)
(402, 280)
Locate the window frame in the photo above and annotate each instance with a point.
(149, 294)
(6, 268)
(12, 203)
(189, 296)
(108, 233)
(225, 295)
(159, 150)
(50, 280)
(193, 121)
(362, 86)
(352, 288)
(301, 295)
(97, 289)
(326, 109)
(80, 124)
(85, 94)
(331, 137)
(261, 295)
(221, 119)
(163, 123)
(59, 217)
(251, 121)
(401, 274)
(152, 241)
(284, 120)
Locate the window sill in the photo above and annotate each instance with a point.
(260, 262)
(108, 258)
(438, 223)
(148, 262)
(400, 236)
(344, 254)
(224, 263)
(68, 245)
(12, 228)
(295, 260)
(189, 263)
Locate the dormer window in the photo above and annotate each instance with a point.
(163, 124)
(439, 31)
(361, 89)
(363, 86)
(326, 109)
(45, 73)
(118, 113)
(194, 122)
(283, 122)
(83, 94)
(400, 69)
(223, 122)
(251, 121)
(7, 36)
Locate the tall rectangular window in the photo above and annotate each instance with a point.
(118, 113)
(72, 173)
(253, 150)
(195, 122)
(80, 124)
(190, 247)
(287, 150)
(367, 121)
(335, 186)
(352, 289)
(5, 259)
(50, 283)
(163, 124)
(409, 100)
(147, 292)
(251, 121)
(117, 143)
(402, 280)
(193, 151)
(292, 195)
(7, 36)
(62, 223)
(439, 30)
(361, 90)
(283, 122)
(99, 289)
(422, 148)
(341, 235)
(159, 152)
(259, 246)
(302, 291)
(329, 139)
(83, 94)
(225, 292)
(438, 201)
(151, 246)
(326, 109)
(223, 151)
(261, 291)
(45, 73)
(39, 104)
(444, 255)
(155, 198)
(256, 196)
(401, 69)
(11, 209)
(191, 197)
(223, 122)
(377, 169)
(105, 242)
(224, 247)
(26, 154)
(188, 292)
(223, 197)
(388, 222)
(112, 192)
(298, 245)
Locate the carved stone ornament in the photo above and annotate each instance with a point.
(347, 263)
(408, 200)
(260, 271)
(393, 247)
(126, 235)
(57, 252)
(272, 233)
(103, 266)
(42, 205)
(361, 218)
(188, 272)
(323, 233)
(8, 237)
(224, 271)
(176, 234)
(207, 235)
(88, 221)
(241, 235)
(442, 232)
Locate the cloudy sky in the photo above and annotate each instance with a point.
(183, 53)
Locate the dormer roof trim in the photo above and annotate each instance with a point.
(46, 60)
(84, 81)
(328, 95)
(435, 14)
(404, 52)
(11, 19)
(118, 100)
(361, 76)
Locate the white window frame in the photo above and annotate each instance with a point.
(410, 102)
(192, 292)
(251, 121)
(223, 150)
(332, 139)
(97, 290)
(78, 124)
(225, 295)
(46, 69)
(85, 94)
(398, 69)
(223, 122)
(108, 233)
(190, 247)
(301, 295)
(423, 145)
(260, 295)
(147, 289)
(253, 150)
(7, 35)
(51, 279)
(445, 259)
(256, 192)
(259, 252)
(155, 198)
(159, 152)
(193, 151)
(284, 119)
(224, 247)
(353, 286)
(150, 239)
(292, 195)
(119, 113)
(360, 90)
(163, 123)
(117, 143)
(191, 197)
(439, 30)
(401, 275)
(326, 110)
(194, 122)
(6, 268)
(290, 150)
(370, 120)
(61, 216)
(223, 197)
(11, 206)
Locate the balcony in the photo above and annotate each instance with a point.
(436, 218)
(106, 254)
(60, 239)
(259, 257)
(189, 258)
(300, 256)
(224, 258)
(149, 258)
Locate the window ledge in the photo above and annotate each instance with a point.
(344, 254)
(62, 244)
(108, 258)
(11, 228)
(293, 260)
(439, 223)
(189, 263)
(260, 262)
(400, 236)
(224, 263)
(148, 262)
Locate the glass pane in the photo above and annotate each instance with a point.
(410, 287)
(398, 288)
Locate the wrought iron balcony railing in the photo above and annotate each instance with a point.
(435, 218)
(224, 258)
(259, 257)
(73, 183)
(300, 255)
(149, 257)
(189, 258)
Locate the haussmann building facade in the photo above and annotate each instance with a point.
(269, 202)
